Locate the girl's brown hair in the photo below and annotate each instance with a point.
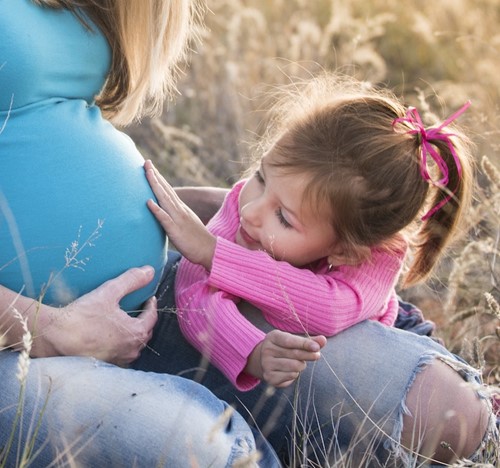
(148, 39)
(368, 170)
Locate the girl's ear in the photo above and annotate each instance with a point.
(340, 256)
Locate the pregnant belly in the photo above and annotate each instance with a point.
(73, 205)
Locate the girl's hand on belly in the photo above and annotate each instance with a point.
(94, 325)
(183, 227)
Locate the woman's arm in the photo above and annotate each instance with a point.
(93, 325)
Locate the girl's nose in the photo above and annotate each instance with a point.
(251, 213)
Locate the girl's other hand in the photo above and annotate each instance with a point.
(281, 357)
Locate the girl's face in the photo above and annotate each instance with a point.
(274, 219)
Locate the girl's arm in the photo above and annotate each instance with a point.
(303, 301)
(209, 318)
(212, 323)
(93, 325)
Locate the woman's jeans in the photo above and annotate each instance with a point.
(83, 412)
(346, 408)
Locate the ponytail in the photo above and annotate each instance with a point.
(450, 195)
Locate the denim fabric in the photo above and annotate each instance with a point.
(346, 408)
(83, 412)
(411, 318)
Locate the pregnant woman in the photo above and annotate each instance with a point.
(72, 216)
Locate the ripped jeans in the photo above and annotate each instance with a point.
(79, 411)
(347, 408)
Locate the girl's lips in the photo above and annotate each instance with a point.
(246, 237)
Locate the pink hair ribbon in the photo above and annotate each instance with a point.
(413, 119)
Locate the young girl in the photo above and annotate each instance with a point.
(317, 236)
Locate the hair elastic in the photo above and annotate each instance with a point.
(413, 119)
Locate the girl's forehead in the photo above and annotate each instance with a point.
(298, 190)
(275, 160)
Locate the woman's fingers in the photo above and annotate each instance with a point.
(106, 331)
(149, 317)
(133, 279)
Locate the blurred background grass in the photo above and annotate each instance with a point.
(441, 52)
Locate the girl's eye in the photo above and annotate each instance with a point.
(259, 177)
(282, 219)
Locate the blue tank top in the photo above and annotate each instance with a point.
(73, 193)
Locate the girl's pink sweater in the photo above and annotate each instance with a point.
(312, 300)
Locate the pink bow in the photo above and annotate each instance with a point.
(412, 118)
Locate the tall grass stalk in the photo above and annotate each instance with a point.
(26, 451)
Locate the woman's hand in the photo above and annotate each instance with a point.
(94, 325)
(183, 227)
(281, 357)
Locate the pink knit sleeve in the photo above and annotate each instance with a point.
(303, 301)
(211, 322)
(391, 313)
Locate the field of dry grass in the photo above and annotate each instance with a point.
(441, 53)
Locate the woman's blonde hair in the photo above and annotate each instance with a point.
(367, 168)
(148, 39)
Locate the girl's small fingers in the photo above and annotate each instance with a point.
(163, 182)
(296, 354)
(154, 183)
(159, 213)
(167, 196)
(309, 356)
(284, 379)
(164, 194)
(285, 384)
(299, 366)
(154, 207)
(287, 367)
(155, 178)
(287, 340)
